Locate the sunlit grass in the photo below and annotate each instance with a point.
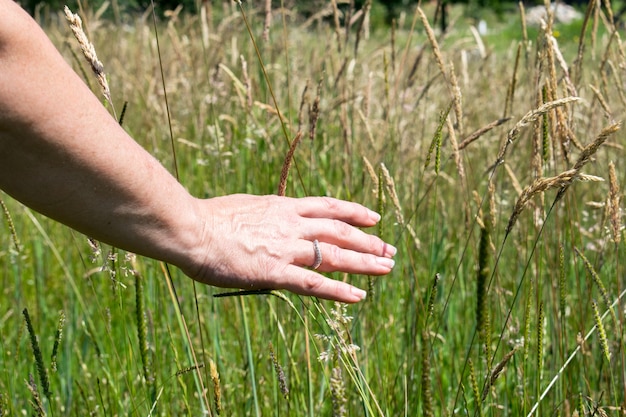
(384, 105)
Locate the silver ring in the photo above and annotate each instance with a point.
(318, 255)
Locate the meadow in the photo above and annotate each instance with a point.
(496, 160)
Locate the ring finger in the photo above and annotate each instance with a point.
(329, 258)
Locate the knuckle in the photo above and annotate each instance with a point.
(342, 230)
(330, 203)
(311, 283)
(335, 257)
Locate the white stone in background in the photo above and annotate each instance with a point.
(563, 13)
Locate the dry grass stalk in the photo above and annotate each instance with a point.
(614, 208)
(76, 25)
(457, 98)
(541, 185)
(581, 43)
(510, 95)
(268, 20)
(393, 195)
(314, 111)
(337, 24)
(372, 174)
(571, 89)
(458, 161)
(205, 18)
(609, 12)
(540, 150)
(479, 215)
(493, 211)
(528, 118)
(217, 390)
(303, 100)
(367, 96)
(522, 12)
(591, 149)
(368, 129)
(142, 331)
(514, 181)
(601, 100)
(394, 24)
(433, 41)
(363, 28)
(284, 174)
(618, 85)
(496, 372)
(478, 133)
(246, 81)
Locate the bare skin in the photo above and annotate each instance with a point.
(62, 154)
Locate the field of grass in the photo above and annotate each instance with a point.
(497, 162)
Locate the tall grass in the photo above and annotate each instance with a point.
(496, 210)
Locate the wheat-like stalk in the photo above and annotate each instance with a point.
(9, 219)
(591, 149)
(528, 118)
(614, 208)
(601, 332)
(426, 390)
(596, 280)
(217, 390)
(373, 176)
(57, 341)
(483, 319)
(496, 372)
(76, 25)
(541, 322)
(480, 132)
(541, 185)
(36, 402)
(433, 41)
(41, 368)
(601, 100)
(393, 195)
(314, 111)
(280, 374)
(284, 174)
(474, 386)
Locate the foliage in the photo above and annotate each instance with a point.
(510, 200)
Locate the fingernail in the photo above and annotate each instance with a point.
(374, 216)
(359, 293)
(386, 262)
(389, 250)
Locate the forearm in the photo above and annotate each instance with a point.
(62, 154)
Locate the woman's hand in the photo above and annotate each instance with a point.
(62, 154)
(266, 242)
